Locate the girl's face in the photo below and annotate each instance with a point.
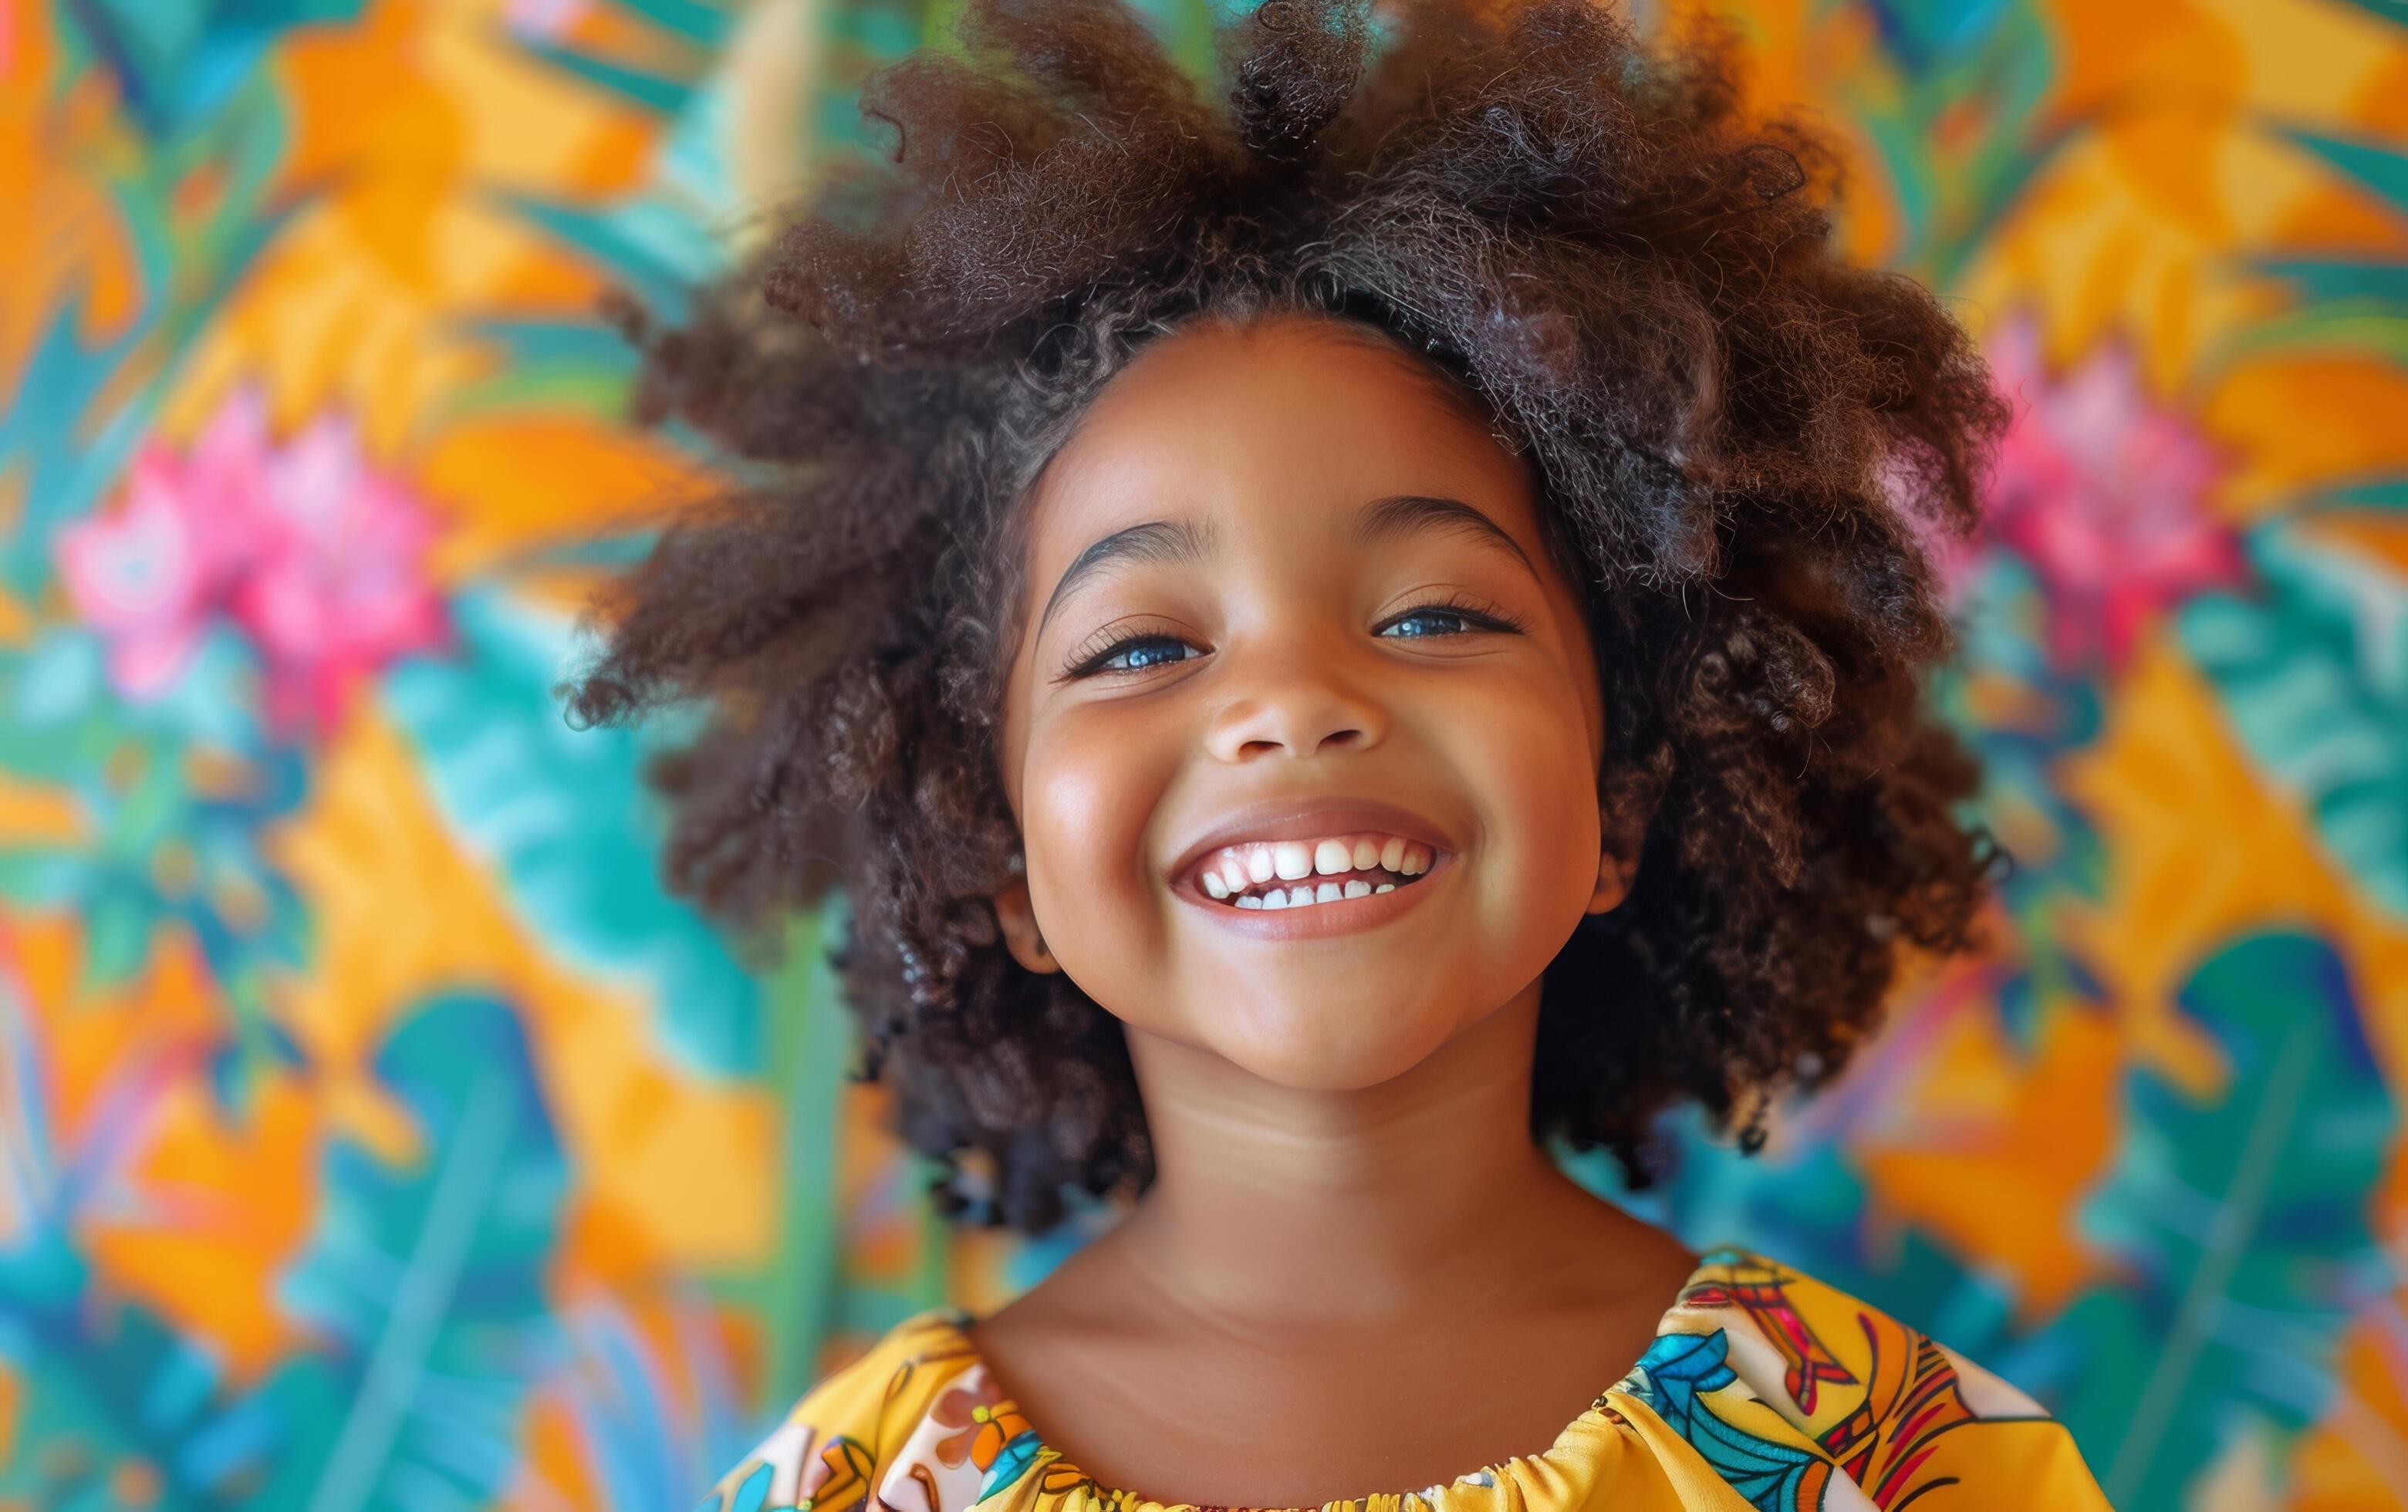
(1287, 605)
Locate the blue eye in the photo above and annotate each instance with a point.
(1142, 652)
(1460, 617)
(1134, 647)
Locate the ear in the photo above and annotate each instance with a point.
(1019, 919)
(1617, 867)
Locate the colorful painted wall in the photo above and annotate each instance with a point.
(375, 1133)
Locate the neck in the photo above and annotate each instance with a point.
(1281, 1210)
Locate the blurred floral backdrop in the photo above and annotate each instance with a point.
(375, 1133)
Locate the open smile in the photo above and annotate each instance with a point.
(1320, 904)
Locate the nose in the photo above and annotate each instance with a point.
(1294, 701)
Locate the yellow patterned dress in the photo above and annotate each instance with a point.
(1764, 1390)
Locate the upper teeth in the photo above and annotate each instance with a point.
(1236, 872)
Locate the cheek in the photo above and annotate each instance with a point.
(1525, 755)
(1089, 788)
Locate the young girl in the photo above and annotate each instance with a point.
(1336, 641)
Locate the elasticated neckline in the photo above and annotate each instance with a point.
(954, 1323)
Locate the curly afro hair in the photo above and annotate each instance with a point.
(1575, 228)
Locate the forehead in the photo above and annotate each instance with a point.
(1293, 418)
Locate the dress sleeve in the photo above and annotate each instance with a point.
(1899, 1416)
(827, 1449)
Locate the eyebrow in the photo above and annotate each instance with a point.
(1190, 543)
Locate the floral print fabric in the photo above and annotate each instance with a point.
(1764, 1389)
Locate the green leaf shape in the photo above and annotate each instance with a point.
(426, 1282)
(2312, 672)
(656, 251)
(564, 820)
(659, 93)
(2339, 277)
(539, 365)
(176, 60)
(103, 1386)
(159, 850)
(2360, 324)
(2240, 1221)
(111, 1386)
(704, 25)
(2377, 166)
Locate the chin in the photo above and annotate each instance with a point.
(1306, 1050)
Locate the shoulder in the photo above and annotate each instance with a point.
(1758, 1353)
(832, 1445)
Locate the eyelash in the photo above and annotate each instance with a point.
(1488, 617)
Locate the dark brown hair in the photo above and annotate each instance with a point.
(1742, 445)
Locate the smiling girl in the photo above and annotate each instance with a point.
(1337, 642)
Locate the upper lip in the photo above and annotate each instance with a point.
(1308, 818)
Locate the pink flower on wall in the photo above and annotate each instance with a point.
(2105, 496)
(148, 575)
(318, 561)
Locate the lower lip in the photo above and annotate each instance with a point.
(1311, 922)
